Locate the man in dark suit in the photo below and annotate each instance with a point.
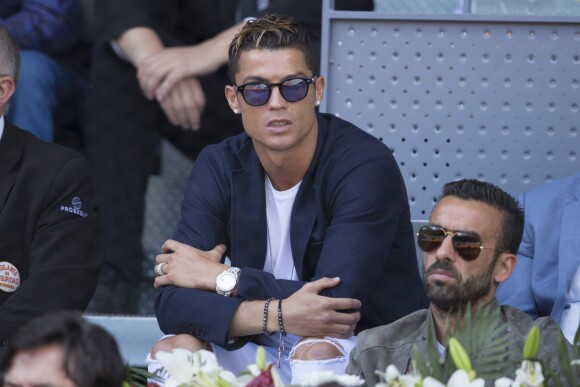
(159, 70)
(311, 210)
(50, 229)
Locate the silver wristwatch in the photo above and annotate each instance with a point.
(227, 281)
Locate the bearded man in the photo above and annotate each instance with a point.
(470, 247)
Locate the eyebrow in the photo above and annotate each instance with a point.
(256, 78)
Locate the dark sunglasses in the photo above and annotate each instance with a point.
(258, 93)
(466, 243)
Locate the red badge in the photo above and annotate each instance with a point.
(9, 277)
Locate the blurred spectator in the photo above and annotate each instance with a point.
(546, 280)
(159, 70)
(54, 66)
(50, 228)
(61, 349)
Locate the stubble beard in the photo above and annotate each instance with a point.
(452, 298)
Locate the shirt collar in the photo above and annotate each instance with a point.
(1, 126)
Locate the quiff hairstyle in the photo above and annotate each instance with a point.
(271, 32)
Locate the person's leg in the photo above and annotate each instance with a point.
(121, 139)
(313, 354)
(43, 85)
(234, 361)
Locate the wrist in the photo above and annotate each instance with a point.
(272, 321)
(226, 282)
(139, 43)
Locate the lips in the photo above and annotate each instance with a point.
(440, 275)
(278, 123)
(442, 270)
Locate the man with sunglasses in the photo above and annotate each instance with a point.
(158, 71)
(311, 211)
(470, 247)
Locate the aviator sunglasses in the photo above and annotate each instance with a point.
(467, 244)
(292, 89)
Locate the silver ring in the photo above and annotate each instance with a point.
(158, 269)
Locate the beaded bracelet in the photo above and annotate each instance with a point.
(280, 321)
(265, 319)
(282, 332)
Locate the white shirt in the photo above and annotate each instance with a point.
(570, 319)
(279, 205)
(1, 126)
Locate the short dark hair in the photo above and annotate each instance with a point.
(91, 355)
(272, 32)
(511, 229)
(9, 55)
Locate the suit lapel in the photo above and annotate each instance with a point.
(248, 223)
(11, 148)
(304, 210)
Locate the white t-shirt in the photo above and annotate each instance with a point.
(570, 319)
(279, 205)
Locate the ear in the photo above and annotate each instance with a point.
(505, 266)
(232, 97)
(319, 87)
(7, 87)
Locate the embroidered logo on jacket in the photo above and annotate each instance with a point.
(9, 277)
(76, 207)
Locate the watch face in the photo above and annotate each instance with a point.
(226, 282)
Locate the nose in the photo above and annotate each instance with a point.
(446, 251)
(276, 100)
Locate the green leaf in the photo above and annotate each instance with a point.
(576, 344)
(459, 356)
(137, 377)
(261, 358)
(532, 344)
(484, 339)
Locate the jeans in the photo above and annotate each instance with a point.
(48, 94)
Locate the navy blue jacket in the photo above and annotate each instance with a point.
(350, 219)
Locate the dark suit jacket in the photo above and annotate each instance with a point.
(350, 219)
(55, 245)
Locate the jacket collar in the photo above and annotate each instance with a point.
(11, 149)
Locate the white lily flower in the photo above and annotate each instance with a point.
(504, 382)
(460, 378)
(432, 382)
(185, 367)
(393, 378)
(317, 378)
(528, 375)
